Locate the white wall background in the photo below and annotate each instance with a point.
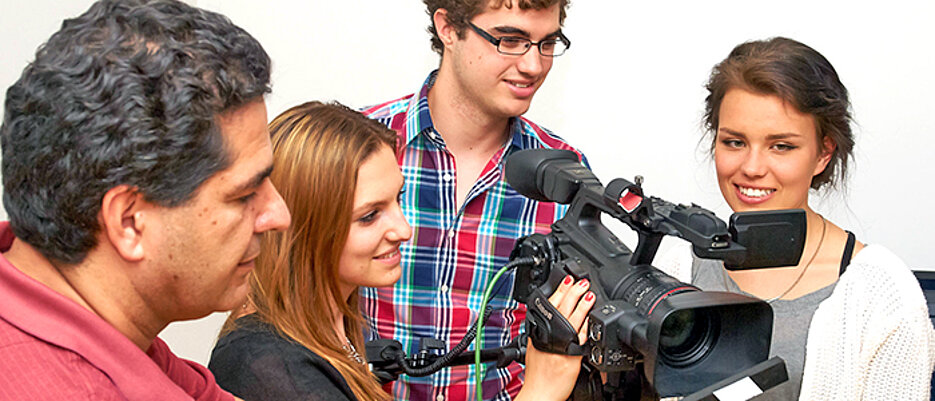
(628, 93)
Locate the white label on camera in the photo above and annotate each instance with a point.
(740, 390)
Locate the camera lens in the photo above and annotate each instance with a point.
(677, 328)
(686, 336)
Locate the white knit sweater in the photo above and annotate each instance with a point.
(871, 339)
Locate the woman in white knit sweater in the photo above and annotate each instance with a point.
(851, 313)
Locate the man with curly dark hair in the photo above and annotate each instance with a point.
(135, 165)
(455, 132)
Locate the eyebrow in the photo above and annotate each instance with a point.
(512, 30)
(255, 181)
(372, 204)
(781, 135)
(367, 206)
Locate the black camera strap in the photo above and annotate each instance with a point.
(548, 329)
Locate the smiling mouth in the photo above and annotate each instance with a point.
(754, 192)
(389, 255)
(520, 85)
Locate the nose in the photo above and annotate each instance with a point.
(274, 214)
(754, 164)
(532, 62)
(400, 231)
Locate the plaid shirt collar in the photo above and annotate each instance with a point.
(419, 120)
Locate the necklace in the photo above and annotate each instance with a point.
(821, 240)
(352, 352)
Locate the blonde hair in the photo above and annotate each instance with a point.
(317, 150)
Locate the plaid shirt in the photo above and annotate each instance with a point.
(453, 254)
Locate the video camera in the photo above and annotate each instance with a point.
(685, 339)
(646, 327)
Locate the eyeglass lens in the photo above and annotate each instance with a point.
(518, 46)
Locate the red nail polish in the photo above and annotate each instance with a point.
(589, 297)
(583, 283)
(567, 280)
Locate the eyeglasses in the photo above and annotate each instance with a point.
(517, 46)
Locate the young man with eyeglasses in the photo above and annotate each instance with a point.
(455, 133)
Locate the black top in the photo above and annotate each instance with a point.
(848, 251)
(255, 363)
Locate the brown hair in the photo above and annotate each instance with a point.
(460, 12)
(800, 76)
(317, 150)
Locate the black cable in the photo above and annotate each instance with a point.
(444, 360)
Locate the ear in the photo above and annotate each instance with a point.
(123, 214)
(827, 150)
(445, 30)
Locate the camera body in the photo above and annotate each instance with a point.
(685, 339)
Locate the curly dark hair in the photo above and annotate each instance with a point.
(797, 74)
(125, 94)
(460, 12)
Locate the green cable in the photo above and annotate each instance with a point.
(479, 338)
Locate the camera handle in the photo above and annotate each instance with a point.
(549, 329)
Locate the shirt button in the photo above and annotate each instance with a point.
(444, 289)
(439, 397)
(446, 177)
(451, 233)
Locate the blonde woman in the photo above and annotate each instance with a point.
(299, 337)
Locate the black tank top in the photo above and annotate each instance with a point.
(848, 251)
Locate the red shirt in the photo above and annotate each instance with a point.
(53, 348)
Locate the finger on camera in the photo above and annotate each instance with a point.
(580, 313)
(568, 304)
(562, 289)
(583, 332)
